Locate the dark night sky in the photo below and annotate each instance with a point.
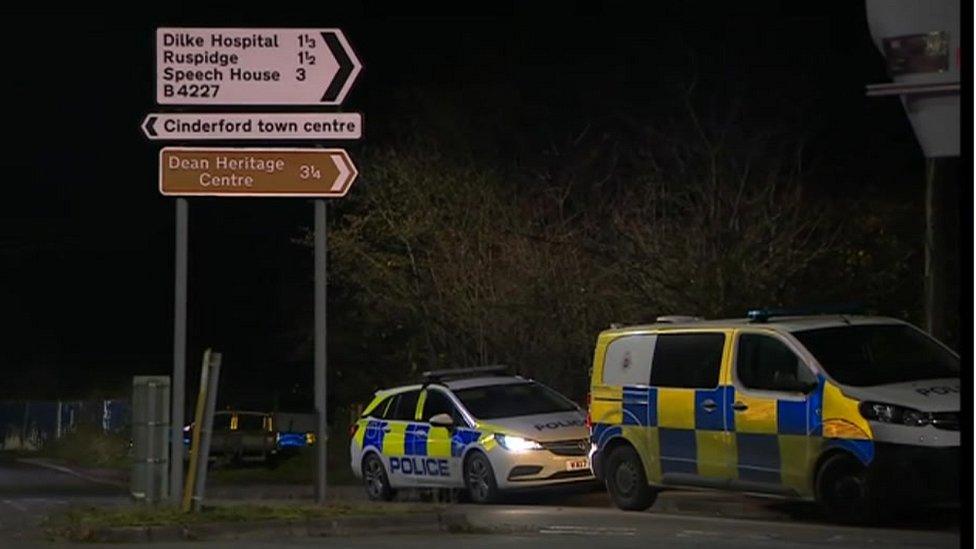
(86, 240)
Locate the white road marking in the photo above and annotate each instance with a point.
(47, 501)
(697, 533)
(16, 506)
(589, 530)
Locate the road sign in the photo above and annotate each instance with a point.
(324, 173)
(216, 66)
(257, 126)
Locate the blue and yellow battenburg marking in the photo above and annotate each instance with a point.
(421, 450)
(417, 439)
(695, 431)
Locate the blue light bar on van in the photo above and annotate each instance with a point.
(763, 315)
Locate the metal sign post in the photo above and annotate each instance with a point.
(179, 352)
(206, 431)
(320, 356)
(195, 433)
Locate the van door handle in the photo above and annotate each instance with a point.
(709, 405)
(738, 407)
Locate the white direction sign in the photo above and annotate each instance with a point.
(216, 66)
(258, 126)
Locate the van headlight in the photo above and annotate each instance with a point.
(517, 444)
(891, 413)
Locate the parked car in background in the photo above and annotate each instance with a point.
(294, 431)
(241, 437)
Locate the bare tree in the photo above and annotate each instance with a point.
(457, 263)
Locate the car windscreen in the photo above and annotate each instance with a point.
(879, 354)
(511, 400)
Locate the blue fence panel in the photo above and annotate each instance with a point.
(27, 425)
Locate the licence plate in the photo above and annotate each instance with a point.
(577, 464)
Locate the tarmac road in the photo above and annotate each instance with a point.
(566, 519)
(586, 528)
(28, 493)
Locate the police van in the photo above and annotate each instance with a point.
(473, 429)
(852, 411)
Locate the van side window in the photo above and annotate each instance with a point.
(766, 363)
(690, 360)
(405, 406)
(628, 360)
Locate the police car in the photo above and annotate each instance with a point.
(473, 429)
(855, 412)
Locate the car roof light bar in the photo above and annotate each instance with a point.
(459, 373)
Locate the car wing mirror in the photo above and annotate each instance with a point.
(442, 420)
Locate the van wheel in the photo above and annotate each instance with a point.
(844, 492)
(375, 480)
(626, 481)
(479, 479)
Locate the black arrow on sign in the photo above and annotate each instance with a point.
(345, 66)
(148, 126)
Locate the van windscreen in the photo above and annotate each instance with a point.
(878, 354)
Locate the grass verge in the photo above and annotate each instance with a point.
(89, 447)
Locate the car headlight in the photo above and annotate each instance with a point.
(517, 444)
(891, 413)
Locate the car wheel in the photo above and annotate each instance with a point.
(375, 480)
(479, 479)
(844, 493)
(626, 480)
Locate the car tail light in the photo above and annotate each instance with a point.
(352, 429)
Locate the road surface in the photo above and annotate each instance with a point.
(28, 493)
(582, 519)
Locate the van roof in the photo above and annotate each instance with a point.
(780, 323)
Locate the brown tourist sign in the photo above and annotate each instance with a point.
(246, 172)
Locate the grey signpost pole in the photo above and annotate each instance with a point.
(320, 357)
(179, 353)
(213, 379)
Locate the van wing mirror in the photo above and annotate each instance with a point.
(442, 420)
